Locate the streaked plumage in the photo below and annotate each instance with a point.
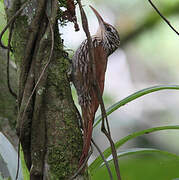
(104, 42)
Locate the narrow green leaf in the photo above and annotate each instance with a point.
(25, 171)
(142, 163)
(135, 96)
(97, 162)
(141, 150)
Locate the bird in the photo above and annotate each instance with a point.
(104, 43)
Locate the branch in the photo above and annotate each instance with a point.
(8, 59)
(36, 85)
(30, 48)
(43, 71)
(134, 96)
(97, 162)
(163, 17)
(147, 23)
(10, 25)
(105, 161)
(96, 85)
(12, 19)
(82, 166)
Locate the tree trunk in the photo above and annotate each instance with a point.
(8, 105)
(48, 124)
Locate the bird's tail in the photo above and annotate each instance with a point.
(88, 119)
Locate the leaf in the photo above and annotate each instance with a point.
(25, 171)
(142, 163)
(134, 96)
(98, 161)
(139, 150)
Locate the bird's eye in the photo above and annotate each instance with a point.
(108, 29)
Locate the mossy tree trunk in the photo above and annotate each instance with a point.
(8, 105)
(48, 127)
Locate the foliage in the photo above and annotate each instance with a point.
(131, 165)
(133, 97)
(122, 141)
(25, 171)
(162, 164)
(140, 163)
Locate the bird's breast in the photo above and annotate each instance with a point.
(82, 67)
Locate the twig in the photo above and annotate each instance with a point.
(108, 135)
(30, 48)
(12, 19)
(86, 160)
(8, 59)
(10, 24)
(35, 87)
(102, 156)
(82, 166)
(164, 18)
(41, 75)
(96, 85)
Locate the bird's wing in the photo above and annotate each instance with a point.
(82, 69)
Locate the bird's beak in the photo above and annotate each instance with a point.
(100, 19)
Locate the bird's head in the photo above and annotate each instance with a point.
(107, 32)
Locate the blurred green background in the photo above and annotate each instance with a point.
(143, 166)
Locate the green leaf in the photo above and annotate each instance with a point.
(25, 171)
(135, 96)
(140, 164)
(98, 161)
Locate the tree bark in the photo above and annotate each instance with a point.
(8, 105)
(48, 125)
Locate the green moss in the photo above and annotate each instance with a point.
(19, 39)
(64, 139)
(64, 154)
(60, 167)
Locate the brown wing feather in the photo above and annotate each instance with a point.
(82, 72)
(83, 81)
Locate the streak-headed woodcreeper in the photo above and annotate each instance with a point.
(104, 42)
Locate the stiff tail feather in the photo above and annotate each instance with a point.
(87, 139)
